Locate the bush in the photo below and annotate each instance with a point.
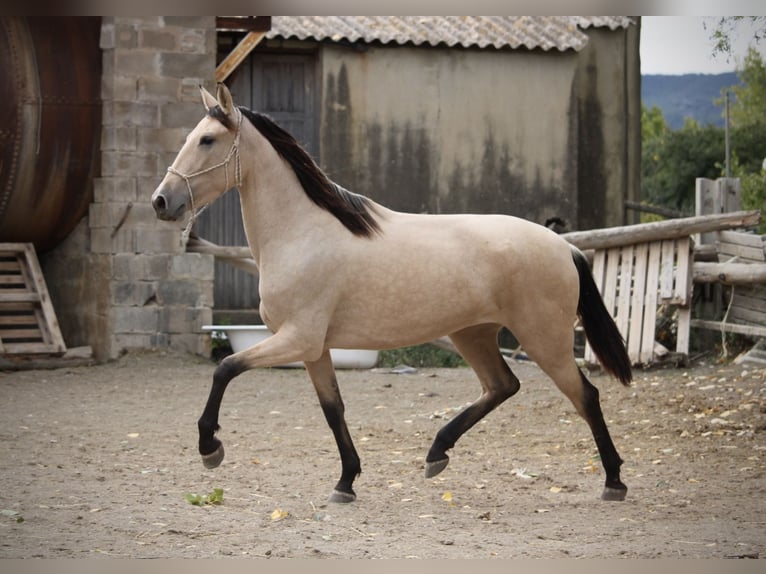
(420, 356)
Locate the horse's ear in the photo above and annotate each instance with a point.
(207, 99)
(224, 98)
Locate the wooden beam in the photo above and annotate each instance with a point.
(659, 230)
(236, 256)
(731, 273)
(249, 23)
(238, 55)
(751, 330)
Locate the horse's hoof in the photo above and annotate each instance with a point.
(342, 497)
(213, 459)
(435, 467)
(614, 493)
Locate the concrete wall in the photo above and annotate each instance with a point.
(535, 134)
(607, 88)
(122, 280)
(440, 130)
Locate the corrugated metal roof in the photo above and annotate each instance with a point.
(531, 32)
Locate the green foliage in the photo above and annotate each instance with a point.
(749, 106)
(420, 356)
(753, 189)
(215, 497)
(727, 26)
(673, 159)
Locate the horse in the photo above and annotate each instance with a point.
(339, 270)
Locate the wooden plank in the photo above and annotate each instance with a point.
(10, 266)
(232, 61)
(33, 333)
(728, 250)
(637, 303)
(17, 320)
(50, 325)
(250, 23)
(17, 306)
(742, 238)
(667, 265)
(624, 286)
(599, 265)
(683, 293)
(6, 280)
(650, 304)
(683, 331)
(745, 315)
(610, 279)
(683, 282)
(29, 348)
(752, 330)
(749, 300)
(19, 297)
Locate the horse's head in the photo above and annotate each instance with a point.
(207, 165)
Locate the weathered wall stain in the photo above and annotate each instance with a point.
(591, 179)
(337, 141)
(442, 131)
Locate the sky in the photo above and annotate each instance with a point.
(682, 45)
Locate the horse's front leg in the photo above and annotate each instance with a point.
(278, 349)
(322, 374)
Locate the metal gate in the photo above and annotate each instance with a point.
(284, 87)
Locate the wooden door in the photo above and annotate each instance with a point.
(282, 86)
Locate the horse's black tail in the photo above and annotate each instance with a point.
(602, 333)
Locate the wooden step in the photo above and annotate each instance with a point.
(28, 323)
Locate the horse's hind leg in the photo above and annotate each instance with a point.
(478, 346)
(322, 374)
(558, 362)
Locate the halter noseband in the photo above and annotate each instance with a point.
(233, 153)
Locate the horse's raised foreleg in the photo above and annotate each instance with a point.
(322, 374)
(478, 346)
(276, 350)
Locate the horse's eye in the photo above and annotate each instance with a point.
(206, 140)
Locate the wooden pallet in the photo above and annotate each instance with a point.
(635, 281)
(28, 323)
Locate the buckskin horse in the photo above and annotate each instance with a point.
(338, 270)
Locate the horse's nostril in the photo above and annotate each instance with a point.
(159, 204)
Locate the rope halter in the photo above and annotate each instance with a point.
(233, 153)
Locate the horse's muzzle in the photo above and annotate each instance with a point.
(166, 207)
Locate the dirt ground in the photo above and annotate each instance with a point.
(98, 461)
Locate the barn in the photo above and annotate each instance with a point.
(533, 116)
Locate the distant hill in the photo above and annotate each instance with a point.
(688, 95)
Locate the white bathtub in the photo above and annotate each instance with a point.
(244, 336)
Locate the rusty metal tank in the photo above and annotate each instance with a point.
(50, 125)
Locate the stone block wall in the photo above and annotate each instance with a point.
(125, 272)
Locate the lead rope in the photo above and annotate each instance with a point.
(233, 152)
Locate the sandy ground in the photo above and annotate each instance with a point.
(98, 461)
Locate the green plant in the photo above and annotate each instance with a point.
(215, 497)
(426, 355)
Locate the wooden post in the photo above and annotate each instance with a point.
(713, 197)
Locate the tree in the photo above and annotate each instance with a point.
(673, 159)
(748, 135)
(728, 26)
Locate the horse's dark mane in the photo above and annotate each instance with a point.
(352, 210)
